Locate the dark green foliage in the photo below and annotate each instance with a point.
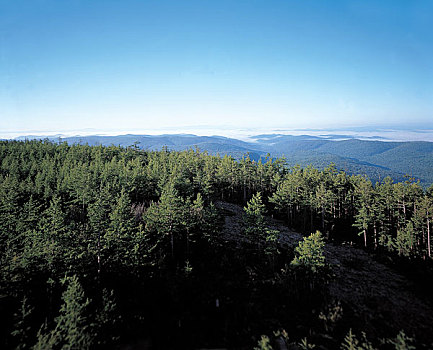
(142, 226)
(107, 320)
(310, 254)
(405, 240)
(402, 342)
(71, 330)
(22, 327)
(118, 238)
(263, 343)
(305, 345)
(376, 159)
(255, 217)
(351, 342)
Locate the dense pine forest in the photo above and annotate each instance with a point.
(116, 247)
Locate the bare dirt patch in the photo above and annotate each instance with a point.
(375, 298)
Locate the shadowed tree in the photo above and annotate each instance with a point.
(117, 240)
(71, 331)
(166, 218)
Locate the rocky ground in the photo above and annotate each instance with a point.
(373, 296)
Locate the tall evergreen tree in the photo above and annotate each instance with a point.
(71, 331)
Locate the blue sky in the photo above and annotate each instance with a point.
(77, 64)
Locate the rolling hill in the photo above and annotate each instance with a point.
(376, 159)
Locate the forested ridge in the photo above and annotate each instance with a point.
(104, 247)
(376, 159)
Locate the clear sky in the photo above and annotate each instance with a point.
(78, 64)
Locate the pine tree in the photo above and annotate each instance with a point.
(288, 195)
(107, 319)
(71, 331)
(99, 220)
(402, 342)
(23, 327)
(351, 342)
(364, 217)
(310, 252)
(405, 241)
(55, 238)
(9, 210)
(119, 235)
(256, 228)
(30, 216)
(53, 221)
(166, 219)
(254, 218)
(305, 345)
(264, 343)
(425, 218)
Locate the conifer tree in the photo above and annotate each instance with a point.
(118, 237)
(310, 252)
(53, 236)
(30, 216)
(23, 327)
(166, 218)
(364, 216)
(402, 342)
(71, 331)
(284, 198)
(107, 319)
(351, 342)
(255, 216)
(264, 343)
(404, 243)
(9, 209)
(53, 221)
(99, 220)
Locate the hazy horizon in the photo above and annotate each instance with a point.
(372, 132)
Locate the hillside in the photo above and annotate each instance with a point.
(374, 297)
(107, 247)
(376, 159)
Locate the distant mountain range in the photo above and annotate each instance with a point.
(376, 159)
